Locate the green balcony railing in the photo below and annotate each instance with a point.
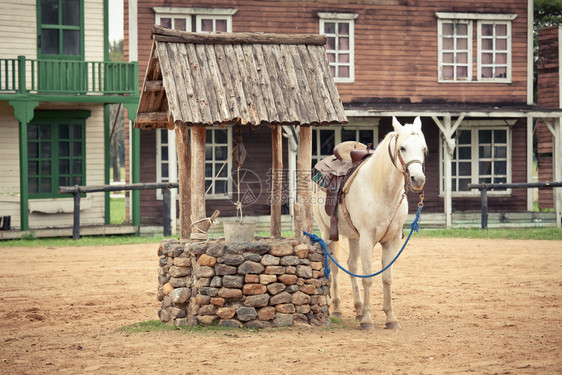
(67, 77)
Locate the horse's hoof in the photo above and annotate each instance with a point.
(366, 326)
(359, 316)
(336, 314)
(393, 325)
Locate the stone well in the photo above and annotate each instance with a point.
(260, 284)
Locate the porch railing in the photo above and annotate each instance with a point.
(67, 77)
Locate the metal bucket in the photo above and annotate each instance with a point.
(239, 232)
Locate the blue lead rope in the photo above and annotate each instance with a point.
(415, 226)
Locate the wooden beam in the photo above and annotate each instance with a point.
(276, 180)
(162, 34)
(184, 179)
(304, 186)
(198, 209)
(153, 86)
(147, 117)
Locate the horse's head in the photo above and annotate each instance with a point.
(409, 152)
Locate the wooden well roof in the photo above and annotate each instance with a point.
(237, 78)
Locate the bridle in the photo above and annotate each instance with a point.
(405, 172)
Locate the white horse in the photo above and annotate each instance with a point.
(377, 209)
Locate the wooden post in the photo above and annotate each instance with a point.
(484, 205)
(184, 179)
(198, 209)
(76, 225)
(166, 212)
(276, 180)
(304, 186)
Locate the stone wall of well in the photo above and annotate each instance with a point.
(265, 283)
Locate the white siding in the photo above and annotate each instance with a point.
(18, 29)
(93, 30)
(9, 168)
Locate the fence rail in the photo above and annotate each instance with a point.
(484, 187)
(71, 77)
(77, 190)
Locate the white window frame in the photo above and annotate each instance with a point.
(507, 78)
(228, 166)
(354, 124)
(474, 126)
(174, 16)
(214, 17)
(454, 51)
(341, 18)
(477, 18)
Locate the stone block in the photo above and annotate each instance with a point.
(266, 313)
(198, 248)
(258, 300)
(317, 266)
(281, 249)
(282, 320)
(217, 301)
(276, 288)
(258, 324)
(205, 271)
(202, 282)
(246, 313)
(216, 250)
(301, 250)
(252, 256)
(315, 257)
(280, 298)
(232, 323)
(304, 271)
(287, 279)
(233, 281)
(274, 270)
(308, 289)
(304, 262)
(177, 282)
(290, 260)
(267, 279)
(167, 288)
(207, 320)
(270, 260)
(292, 288)
(230, 293)
(180, 295)
(303, 309)
(250, 267)
(176, 271)
(182, 262)
(208, 291)
(176, 312)
(201, 299)
(285, 308)
(251, 278)
(208, 310)
(258, 247)
(216, 282)
(253, 289)
(223, 269)
(300, 298)
(291, 270)
(232, 259)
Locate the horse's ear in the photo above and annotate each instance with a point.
(417, 123)
(396, 124)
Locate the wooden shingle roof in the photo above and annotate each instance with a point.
(237, 78)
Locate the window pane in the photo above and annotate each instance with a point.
(207, 184)
(45, 150)
(221, 26)
(33, 168)
(71, 42)
(224, 172)
(487, 72)
(464, 137)
(500, 167)
(501, 58)
(343, 71)
(77, 166)
(221, 136)
(500, 152)
(49, 42)
(462, 43)
(221, 153)
(485, 151)
(64, 166)
(331, 57)
(329, 28)
(220, 187)
(50, 12)
(77, 180)
(208, 152)
(487, 44)
(327, 139)
(501, 44)
(448, 43)
(485, 168)
(166, 22)
(343, 28)
(164, 136)
(448, 57)
(64, 181)
(487, 29)
(462, 58)
(343, 57)
(76, 131)
(465, 169)
(487, 58)
(331, 43)
(448, 72)
(33, 149)
(179, 24)
(206, 25)
(464, 153)
(165, 171)
(462, 72)
(45, 132)
(32, 132)
(447, 29)
(208, 169)
(333, 70)
(501, 72)
(164, 156)
(343, 44)
(45, 185)
(501, 30)
(463, 184)
(462, 29)
(76, 149)
(33, 185)
(71, 12)
(64, 132)
(366, 136)
(485, 136)
(347, 135)
(500, 136)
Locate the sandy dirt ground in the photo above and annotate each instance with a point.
(465, 306)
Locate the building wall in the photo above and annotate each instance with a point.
(18, 17)
(9, 168)
(548, 86)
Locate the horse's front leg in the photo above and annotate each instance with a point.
(366, 244)
(336, 301)
(353, 266)
(389, 251)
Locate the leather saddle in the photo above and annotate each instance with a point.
(332, 172)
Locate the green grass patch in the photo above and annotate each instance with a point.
(554, 234)
(158, 326)
(28, 241)
(117, 211)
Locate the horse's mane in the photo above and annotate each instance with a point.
(382, 163)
